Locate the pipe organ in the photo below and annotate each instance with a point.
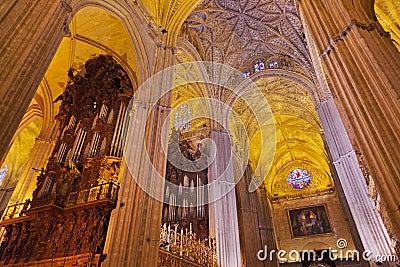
(65, 223)
(182, 206)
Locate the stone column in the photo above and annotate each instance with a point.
(362, 67)
(368, 223)
(255, 222)
(134, 232)
(223, 220)
(38, 157)
(30, 33)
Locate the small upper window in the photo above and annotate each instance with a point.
(259, 66)
(273, 65)
(246, 73)
(3, 173)
(183, 115)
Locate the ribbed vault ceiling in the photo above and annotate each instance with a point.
(234, 32)
(296, 142)
(388, 14)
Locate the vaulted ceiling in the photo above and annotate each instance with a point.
(388, 14)
(235, 32)
(298, 140)
(239, 33)
(291, 139)
(169, 14)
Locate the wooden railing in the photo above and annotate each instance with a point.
(99, 192)
(192, 133)
(16, 210)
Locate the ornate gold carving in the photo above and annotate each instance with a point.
(184, 246)
(109, 170)
(107, 191)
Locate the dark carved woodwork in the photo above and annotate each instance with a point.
(67, 220)
(56, 233)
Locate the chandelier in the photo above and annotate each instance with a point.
(185, 244)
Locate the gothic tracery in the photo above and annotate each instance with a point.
(234, 32)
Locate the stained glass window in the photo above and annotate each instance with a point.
(273, 65)
(246, 73)
(3, 173)
(182, 117)
(259, 65)
(299, 178)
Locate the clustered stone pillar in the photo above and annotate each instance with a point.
(362, 69)
(223, 220)
(29, 38)
(133, 236)
(371, 231)
(255, 222)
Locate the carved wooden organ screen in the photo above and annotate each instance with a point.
(71, 206)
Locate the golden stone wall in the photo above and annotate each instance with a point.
(337, 219)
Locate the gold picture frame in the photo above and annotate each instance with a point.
(309, 221)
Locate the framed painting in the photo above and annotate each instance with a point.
(309, 221)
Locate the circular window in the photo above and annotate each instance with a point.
(299, 178)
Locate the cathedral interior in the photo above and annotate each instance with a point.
(200, 133)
